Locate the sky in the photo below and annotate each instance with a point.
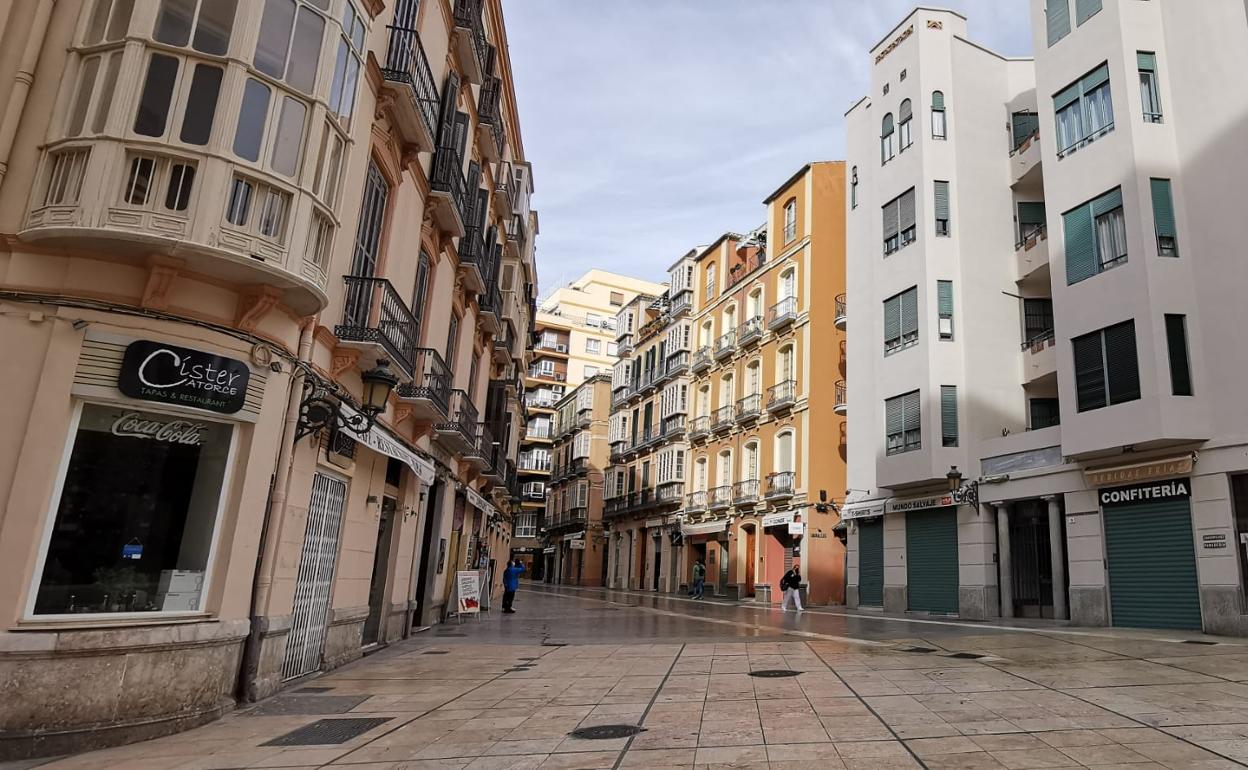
(654, 126)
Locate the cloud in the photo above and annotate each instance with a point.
(655, 125)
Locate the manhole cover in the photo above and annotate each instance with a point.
(1197, 641)
(326, 732)
(435, 652)
(774, 673)
(606, 732)
(313, 690)
(965, 656)
(918, 649)
(296, 704)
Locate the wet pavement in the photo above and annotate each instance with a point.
(873, 692)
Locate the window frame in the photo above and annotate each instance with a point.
(906, 442)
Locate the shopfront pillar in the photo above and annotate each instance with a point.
(1057, 553)
(1003, 560)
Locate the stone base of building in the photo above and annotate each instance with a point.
(978, 602)
(344, 637)
(1088, 606)
(896, 599)
(851, 597)
(1223, 609)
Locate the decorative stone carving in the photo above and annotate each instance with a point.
(254, 304)
(342, 360)
(161, 272)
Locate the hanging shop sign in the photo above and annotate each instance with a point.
(918, 503)
(1123, 474)
(782, 519)
(1178, 489)
(479, 502)
(867, 509)
(576, 545)
(153, 371)
(797, 528)
(382, 441)
(652, 523)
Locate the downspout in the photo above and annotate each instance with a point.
(22, 81)
(275, 511)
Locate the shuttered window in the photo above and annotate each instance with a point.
(944, 309)
(901, 320)
(939, 125)
(1083, 111)
(1106, 367)
(1176, 344)
(1037, 319)
(1031, 220)
(1023, 126)
(1096, 237)
(1057, 18)
(886, 139)
(903, 424)
(1150, 96)
(1086, 9)
(1163, 218)
(1044, 413)
(942, 207)
(948, 415)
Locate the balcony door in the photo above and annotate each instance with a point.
(360, 294)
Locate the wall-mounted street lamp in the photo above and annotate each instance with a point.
(962, 493)
(322, 408)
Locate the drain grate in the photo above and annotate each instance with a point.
(606, 732)
(1198, 641)
(327, 732)
(436, 652)
(774, 673)
(918, 649)
(313, 690)
(965, 656)
(295, 704)
(554, 644)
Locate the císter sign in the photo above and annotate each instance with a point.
(169, 374)
(1177, 489)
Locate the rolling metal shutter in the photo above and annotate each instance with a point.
(871, 562)
(932, 560)
(1152, 565)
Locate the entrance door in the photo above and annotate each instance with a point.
(1030, 562)
(315, 578)
(871, 562)
(932, 556)
(751, 558)
(1152, 565)
(377, 584)
(723, 567)
(658, 559)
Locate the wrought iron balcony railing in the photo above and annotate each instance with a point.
(723, 417)
(699, 426)
(749, 407)
(780, 484)
(696, 502)
(781, 395)
(726, 343)
(720, 497)
(431, 381)
(374, 312)
(782, 313)
(751, 330)
(406, 63)
(701, 358)
(842, 312)
(745, 492)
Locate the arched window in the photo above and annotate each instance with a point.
(784, 364)
(749, 462)
(788, 284)
(886, 139)
(790, 220)
(700, 475)
(754, 304)
(904, 114)
(725, 468)
(707, 335)
(784, 461)
(939, 127)
(727, 391)
(754, 377)
(704, 401)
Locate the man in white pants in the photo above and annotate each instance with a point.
(791, 583)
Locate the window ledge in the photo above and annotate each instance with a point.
(98, 623)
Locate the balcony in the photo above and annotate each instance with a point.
(517, 235)
(490, 136)
(624, 343)
(745, 492)
(749, 407)
(552, 346)
(642, 498)
(780, 485)
(537, 373)
(673, 426)
(682, 302)
(699, 427)
(841, 404)
(376, 320)
(696, 502)
(782, 313)
(409, 80)
(615, 506)
(448, 191)
(577, 514)
(669, 493)
(701, 359)
(468, 40)
(503, 345)
(678, 363)
(1039, 357)
(1025, 161)
(720, 497)
(726, 344)
(649, 435)
(538, 433)
(504, 188)
(750, 331)
(460, 431)
(533, 492)
(534, 464)
(478, 455)
(841, 316)
(579, 466)
(723, 418)
(584, 418)
(490, 308)
(1032, 251)
(428, 395)
(782, 395)
(539, 400)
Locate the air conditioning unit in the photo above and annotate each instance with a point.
(561, 348)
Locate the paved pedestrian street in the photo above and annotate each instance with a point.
(872, 692)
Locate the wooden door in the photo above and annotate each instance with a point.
(751, 556)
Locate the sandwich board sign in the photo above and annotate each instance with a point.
(468, 592)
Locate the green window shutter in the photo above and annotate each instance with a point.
(905, 112)
(906, 209)
(1086, 9)
(1176, 343)
(1089, 371)
(893, 415)
(887, 126)
(1122, 367)
(911, 416)
(1066, 98)
(910, 312)
(1057, 18)
(948, 415)
(890, 217)
(1163, 209)
(892, 318)
(942, 200)
(938, 100)
(1095, 78)
(1080, 244)
(1107, 202)
(1031, 213)
(1147, 61)
(1024, 124)
(944, 298)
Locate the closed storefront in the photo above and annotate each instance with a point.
(1150, 555)
(932, 560)
(871, 562)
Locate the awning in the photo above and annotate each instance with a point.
(780, 519)
(383, 441)
(704, 528)
(574, 536)
(478, 501)
(865, 509)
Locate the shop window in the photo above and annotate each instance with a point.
(205, 24)
(136, 514)
(258, 207)
(66, 169)
(157, 96)
(110, 19)
(201, 104)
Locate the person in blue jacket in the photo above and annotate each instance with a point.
(511, 582)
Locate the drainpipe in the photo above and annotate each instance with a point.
(22, 81)
(275, 511)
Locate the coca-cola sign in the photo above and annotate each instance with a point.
(140, 425)
(154, 371)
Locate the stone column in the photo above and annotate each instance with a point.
(1057, 555)
(1003, 560)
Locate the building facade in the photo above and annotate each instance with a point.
(266, 272)
(1081, 388)
(572, 538)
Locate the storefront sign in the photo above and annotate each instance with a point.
(172, 375)
(652, 523)
(797, 528)
(382, 441)
(141, 425)
(1213, 542)
(468, 591)
(1125, 474)
(1179, 489)
(865, 510)
(574, 536)
(576, 545)
(548, 549)
(777, 519)
(918, 503)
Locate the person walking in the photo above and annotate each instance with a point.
(699, 580)
(511, 583)
(791, 584)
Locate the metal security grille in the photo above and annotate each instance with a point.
(1152, 565)
(932, 560)
(871, 562)
(315, 578)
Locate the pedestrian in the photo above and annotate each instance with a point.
(511, 582)
(791, 584)
(699, 580)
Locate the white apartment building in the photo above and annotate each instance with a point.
(1047, 420)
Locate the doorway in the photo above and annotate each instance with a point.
(751, 551)
(1030, 560)
(658, 559)
(377, 582)
(315, 579)
(428, 560)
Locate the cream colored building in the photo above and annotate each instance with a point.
(221, 225)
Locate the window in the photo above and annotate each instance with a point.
(784, 364)
(592, 320)
(1150, 97)
(904, 115)
(616, 299)
(1057, 19)
(1176, 344)
(110, 20)
(901, 320)
(853, 188)
(788, 284)
(710, 281)
(886, 139)
(66, 169)
(1037, 320)
(899, 229)
(1106, 369)
(944, 309)
(1163, 218)
(90, 101)
(1023, 126)
(1031, 221)
(148, 549)
(942, 208)
(1096, 237)
(320, 241)
(452, 344)
(329, 166)
(526, 524)
(206, 27)
(251, 119)
(289, 137)
(1043, 413)
(546, 367)
(593, 346)
(147, 174)
(1084, 111)
(347, 64)
(1086, 9)
(590, 371)
(613, 348)
(749, 462)
(939, 126)
(157, 95)
(948, 415)
(784, 452)
(790, 220)
(201, 104)
(903, 426)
